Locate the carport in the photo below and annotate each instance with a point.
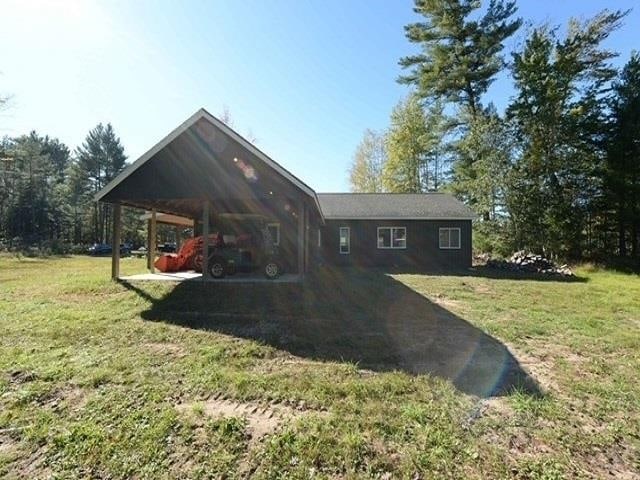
(204, 172)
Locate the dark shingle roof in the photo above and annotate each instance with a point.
(393, 205)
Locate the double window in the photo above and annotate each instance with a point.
(449, 238)
(345, 240)
(392, 237)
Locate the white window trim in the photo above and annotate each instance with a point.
(348, 229)
(276, 241)
(450, 230)
(391, 247)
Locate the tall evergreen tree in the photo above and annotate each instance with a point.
(32, 172)
(489, 145)
(460, 55)
(623, 159)
(100, 158)
(560, 85)
(365, 174)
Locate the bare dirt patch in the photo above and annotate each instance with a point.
(539, 364)
(482, 288)
(8, 447)
(73, 398)
(261, 419)
(165, 348)
(22, 463)
(444, 301)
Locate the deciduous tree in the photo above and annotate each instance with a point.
(365, 174)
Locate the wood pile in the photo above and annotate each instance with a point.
(527, 262)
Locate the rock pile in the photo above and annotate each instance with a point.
(530, 263)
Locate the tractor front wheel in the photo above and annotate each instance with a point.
(217, 267)
(271, 269)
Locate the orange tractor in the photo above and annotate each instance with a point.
(228, 254)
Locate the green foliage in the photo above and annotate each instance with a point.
(100, 158)
(459, 56)
(484, 159)
(46, 194)
(557, 114)
(622, 171)
(31, 187)
(560, 173)
(365, 174)
(406, 146)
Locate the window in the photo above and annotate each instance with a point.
(319, 238)
(449, 238)
(345, 240)
(392, 237)
(274, 232)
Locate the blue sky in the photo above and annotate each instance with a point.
(306, 78)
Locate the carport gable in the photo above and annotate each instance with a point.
(204, 159)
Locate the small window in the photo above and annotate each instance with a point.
(274, 232)
(392, 237)
(345, 240)
(319, 238)
(449, 238)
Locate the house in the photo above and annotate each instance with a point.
(421, 231)
(206, 175)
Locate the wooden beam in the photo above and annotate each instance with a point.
(149, 244)
(205, 240)
(152, 242)
(115, 244)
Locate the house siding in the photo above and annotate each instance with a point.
(421, 253)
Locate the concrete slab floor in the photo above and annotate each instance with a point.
(194, 276)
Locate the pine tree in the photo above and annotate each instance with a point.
(460, 56)
(100, 158)
(561, 84)
(623, 159)
(365, 174)
(488, 146)
(32, 172)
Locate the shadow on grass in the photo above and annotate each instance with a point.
(482, 271)
(348, 315)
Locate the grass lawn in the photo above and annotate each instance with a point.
(354, 375)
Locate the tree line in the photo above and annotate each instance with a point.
(47, 191)
(558, 171)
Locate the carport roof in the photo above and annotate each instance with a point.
(203, 114)
(392, 206)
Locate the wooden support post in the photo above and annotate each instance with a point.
(115, 244)
(148, 244)
(178, 237)
(301, 238)
(152, 242)
(205, 240)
